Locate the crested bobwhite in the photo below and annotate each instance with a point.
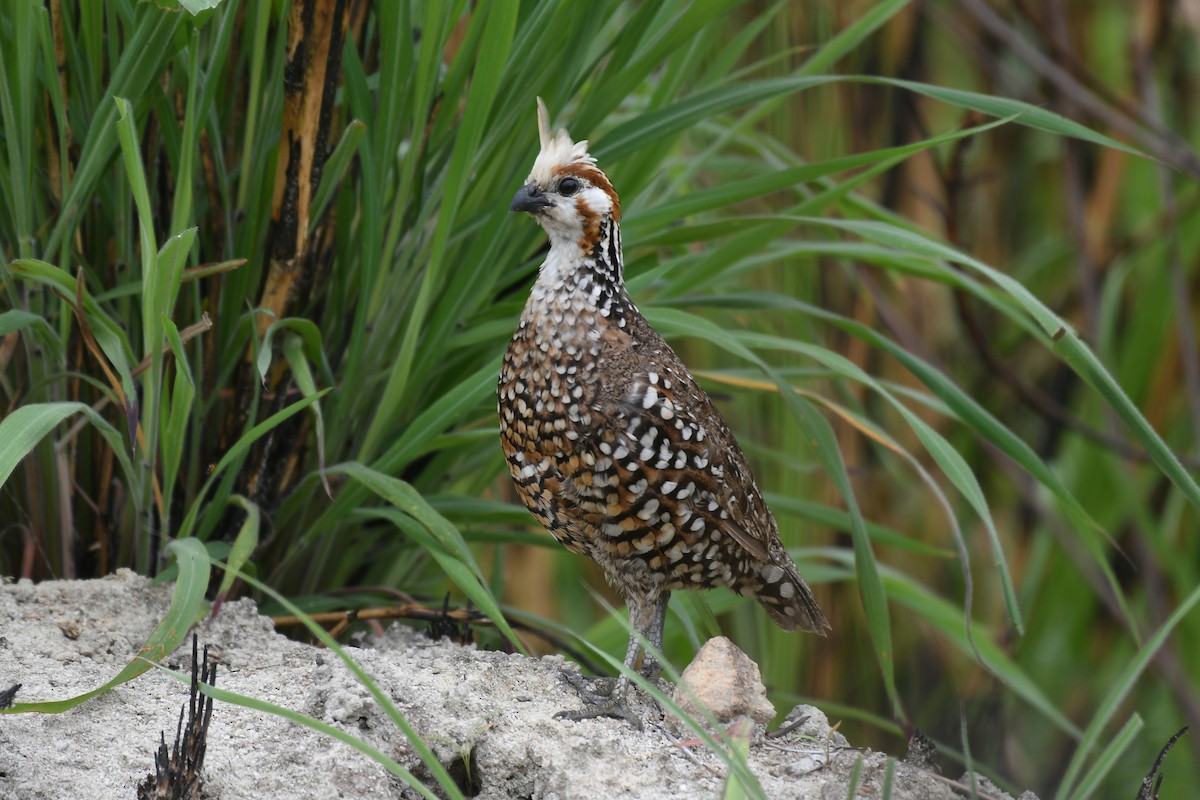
(612, 444)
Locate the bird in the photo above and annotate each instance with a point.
(612, 444)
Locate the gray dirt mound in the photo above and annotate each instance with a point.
(493, 710)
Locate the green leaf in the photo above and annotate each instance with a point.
(739, 734)
(187, 608)
(334, 170)
(170, 263)
(312, 723)
(500, 24)
(21, 430)
(178, 410)
(655, 125)
(1113, 753)
(952, 464)
(852, 36)
(728, 193)
(294, 351)
(1117, 693)
(979, 419)
(1067, 342)
(946, 618)
(18, 320)
(309, 335)
(446, 544)
(152, 291)
(837, 519)
(140, 63)
(109, 335)
(243, 544)
(385, 702)
(238, 451)
(1029, 115)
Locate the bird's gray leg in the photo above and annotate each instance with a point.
(651, 669)
(646, 616)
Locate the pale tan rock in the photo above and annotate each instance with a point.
(723, 679)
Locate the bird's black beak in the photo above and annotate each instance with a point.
(529, 198)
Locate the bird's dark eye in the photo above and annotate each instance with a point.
(569, 186)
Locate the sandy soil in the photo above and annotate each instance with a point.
(59, 639)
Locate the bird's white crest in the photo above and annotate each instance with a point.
(558, 150)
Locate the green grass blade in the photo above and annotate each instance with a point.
(294, 352)
(705, 726)
(187, 608)
(170, 263)
(335, 170)
(310, 338)
(656, 125)
(39, 329)
(727, 194)
(22, 429)
(1119, 691)
(109, 335)
(18, 186)
(1067, 342)
(979, 419)
(384, 701)
(947, 619)
(1029, 115)
(177, 413)
(501, 21)
(734, 788)
(332, 731)
(181, 206)
(1108, 758)
(448, 538)
(239, 450)
(953, 465)
(243, 545)
(851, 37)
(835, 518)
(140, 63)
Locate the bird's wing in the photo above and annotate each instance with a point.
(664, 465)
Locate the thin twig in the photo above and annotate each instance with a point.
(786, 729)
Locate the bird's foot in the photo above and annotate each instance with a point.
(651, 670)
(612, 703)
(592, 691)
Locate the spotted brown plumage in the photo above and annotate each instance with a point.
(611, 443)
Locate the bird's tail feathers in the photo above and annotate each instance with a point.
(791, 604)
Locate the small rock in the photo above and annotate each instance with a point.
(810, 722)
(985, 786)
(69, 628)
(724, 679)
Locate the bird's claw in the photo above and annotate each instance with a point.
(583, 687)
(599, 704)
(607, 708)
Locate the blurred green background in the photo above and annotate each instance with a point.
(937, 261)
